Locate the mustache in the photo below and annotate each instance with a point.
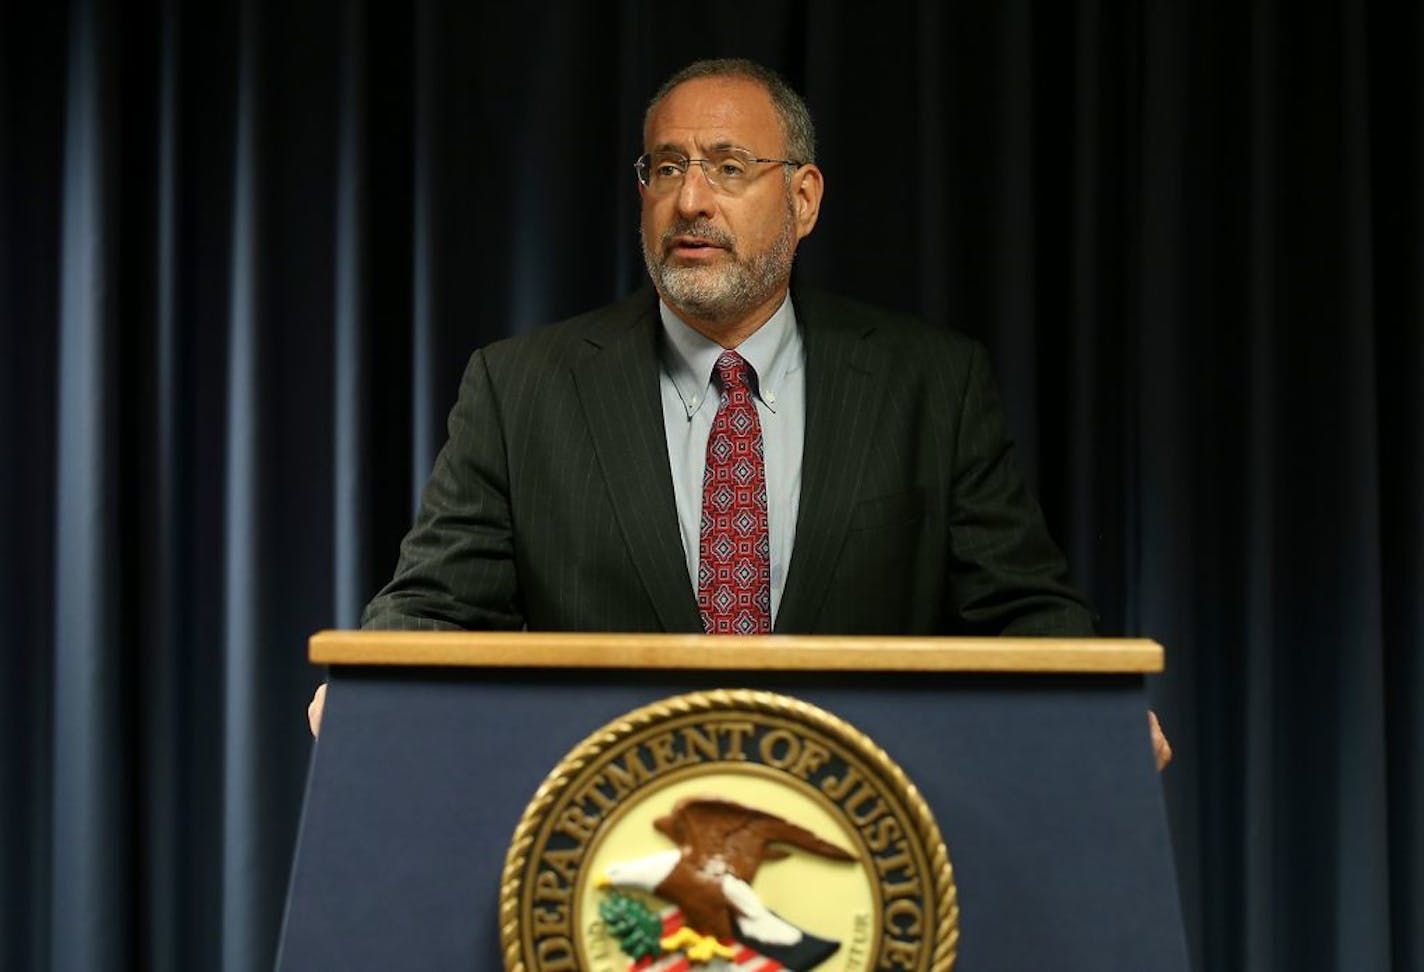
(700, 228)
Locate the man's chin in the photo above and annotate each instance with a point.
(694, 286)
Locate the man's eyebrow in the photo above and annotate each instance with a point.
(721, 145)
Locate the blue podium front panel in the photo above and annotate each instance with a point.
(1043, 788)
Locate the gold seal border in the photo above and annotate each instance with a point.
(942, 874)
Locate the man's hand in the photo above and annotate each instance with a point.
(1161, 748)
(318, 703)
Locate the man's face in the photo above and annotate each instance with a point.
(715, 256)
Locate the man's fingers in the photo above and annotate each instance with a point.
(318, 703)
(1161, 748)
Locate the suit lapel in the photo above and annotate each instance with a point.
(843, 398)
(618, 387)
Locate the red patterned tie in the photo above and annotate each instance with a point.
(734, 558)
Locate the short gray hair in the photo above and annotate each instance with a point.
(796, 125)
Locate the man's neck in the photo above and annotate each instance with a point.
(730, 333)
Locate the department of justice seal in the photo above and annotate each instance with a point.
(728, 830)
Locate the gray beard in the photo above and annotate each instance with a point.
(724, 292)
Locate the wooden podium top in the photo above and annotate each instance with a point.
(529, 649)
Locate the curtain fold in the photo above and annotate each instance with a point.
(425, 405)
(246, 248)
(246, 924)
(91, 804)
(352, 376)
(161, 727)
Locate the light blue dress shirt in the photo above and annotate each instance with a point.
(690, 399)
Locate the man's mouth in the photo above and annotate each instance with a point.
(694, 246)
(696, 243)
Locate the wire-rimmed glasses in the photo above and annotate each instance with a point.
(728, 170)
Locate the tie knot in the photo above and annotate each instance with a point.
(732, 370)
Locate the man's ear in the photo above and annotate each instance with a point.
(807, 186)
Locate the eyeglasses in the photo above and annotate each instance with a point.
(726, 170)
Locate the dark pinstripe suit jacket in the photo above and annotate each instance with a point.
(551, 504)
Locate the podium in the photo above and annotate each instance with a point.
(1027, 761)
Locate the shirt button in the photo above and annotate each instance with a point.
(771, 398)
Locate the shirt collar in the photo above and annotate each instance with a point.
(773, 351)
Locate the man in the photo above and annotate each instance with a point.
(727, 456)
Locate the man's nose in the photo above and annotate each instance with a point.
(695, 198)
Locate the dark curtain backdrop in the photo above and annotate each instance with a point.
(245, 249)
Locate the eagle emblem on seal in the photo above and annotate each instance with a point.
(716, 915)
